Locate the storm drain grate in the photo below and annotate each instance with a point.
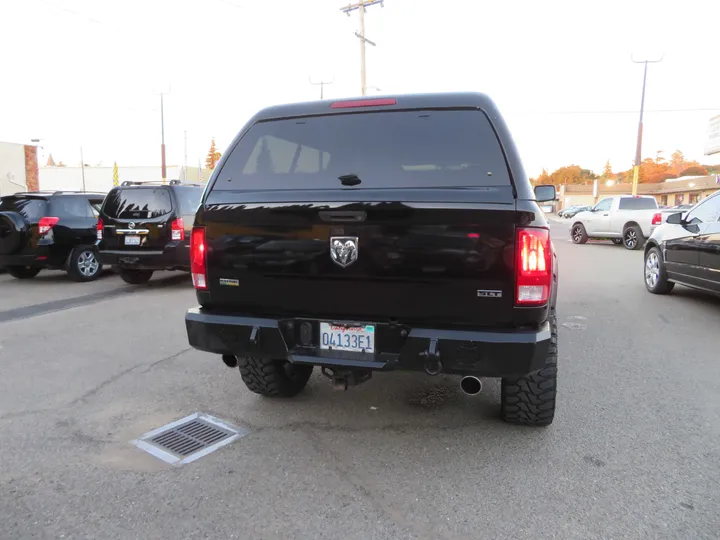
(189, 438)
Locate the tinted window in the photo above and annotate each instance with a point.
(637, 203)
(604, 205)
(31, 209)
(188, 198)
(134, 203)
(384, 149)
(77, 207)
(706, 212)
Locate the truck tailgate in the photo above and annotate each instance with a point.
(421, 261)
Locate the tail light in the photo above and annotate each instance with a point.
(657, 219)
(533, 267)
(177, 229)
(46, 224)
(198, 253)
(100, 227)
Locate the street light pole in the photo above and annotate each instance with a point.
(638, 148)
(321, 84)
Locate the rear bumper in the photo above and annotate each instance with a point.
(40, 257)
(173, 257)
(487, 353)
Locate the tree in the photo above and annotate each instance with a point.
(677, 162)
(694, 170)
(213, 156)
(572, 174)
(544, 178)
(607, 171)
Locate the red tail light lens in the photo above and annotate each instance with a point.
(177, 229)
(198, 252)
(533, 267)
(657, 219)
(46, 224)
(362, 103)
(100, 227)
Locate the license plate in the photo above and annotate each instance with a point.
(347, 338)
(132, 240)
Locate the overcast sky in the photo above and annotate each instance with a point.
(85, 72)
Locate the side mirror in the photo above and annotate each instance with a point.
(545, 193)
(675, 219)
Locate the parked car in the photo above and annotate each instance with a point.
(624, 219)
(145, 226)
(574, 210)
(562, 212)
(50, 230)
(431, 256)
(686, 250)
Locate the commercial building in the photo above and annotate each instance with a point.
(101, 178)
(688, 190)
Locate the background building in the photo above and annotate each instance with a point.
(101, 178)
(688, 190)
(18, 168)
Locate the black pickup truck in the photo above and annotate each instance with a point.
(393, 233)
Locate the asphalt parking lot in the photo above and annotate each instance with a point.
(634, 451)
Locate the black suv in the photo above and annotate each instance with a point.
(379, 234)
(53, 230)
(145, 226)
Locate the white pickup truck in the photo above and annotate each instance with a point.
(625, 219)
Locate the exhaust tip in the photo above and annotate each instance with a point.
(471, 385)
(230, 360)
(433, 367)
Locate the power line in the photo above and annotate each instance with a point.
(84, 17)
(620, 112)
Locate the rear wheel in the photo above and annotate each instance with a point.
(23, 272)
(530, 400)
(84, 265)
(656, 280)
(633, 237)
(135, 277)
(617, 241)
(578, 233)
(274, 378)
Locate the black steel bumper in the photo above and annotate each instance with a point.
(173, 257)
(492, 353)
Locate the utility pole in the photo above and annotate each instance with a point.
(82, 168)
(162, 146)
(162, 93)
(361, 6)
(638, 148)
(321, 84)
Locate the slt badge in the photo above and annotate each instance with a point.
(344, 250)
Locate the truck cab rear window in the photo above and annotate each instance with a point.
(138, 203)
(433, 148)
(637, 203)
